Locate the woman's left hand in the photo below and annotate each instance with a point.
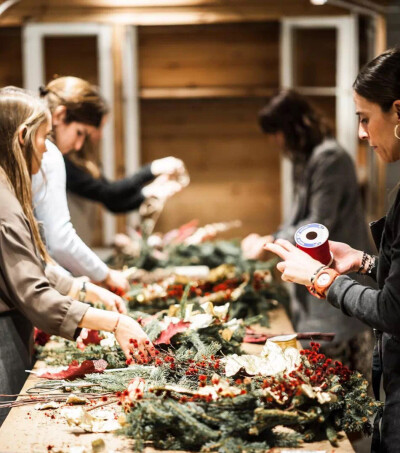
(297, 266)
(162, 188)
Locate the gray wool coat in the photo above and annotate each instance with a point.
(327, 192)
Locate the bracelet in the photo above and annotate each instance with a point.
(82, 293)
(363, 261)
(116, 325)
(316, 272)
(371, 265)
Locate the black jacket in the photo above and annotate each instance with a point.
(117, 196)
(380, 309)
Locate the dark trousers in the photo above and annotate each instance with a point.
(15, 355)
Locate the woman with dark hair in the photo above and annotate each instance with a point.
(326, 192)
(377, 100)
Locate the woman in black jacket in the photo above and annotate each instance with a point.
(126, 194)
(79, 115)
(377, 99)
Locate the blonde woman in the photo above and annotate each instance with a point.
(27, 297)
(78, 116)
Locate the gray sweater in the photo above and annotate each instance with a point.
(328, 193)
(380, 309)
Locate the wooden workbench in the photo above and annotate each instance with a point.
(28, 430)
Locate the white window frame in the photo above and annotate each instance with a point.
(34, 76)
(347, 50)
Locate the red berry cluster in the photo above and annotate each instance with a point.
(118, 291)
(134, 349)
(316, 370)
(285, 388)
(189, 367)
(127, 397)
(321, 367)
(177, 290)
(194, 367)
(204, 289)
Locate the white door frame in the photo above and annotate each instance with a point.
(346, 71)
(34, 76)
(130, 89)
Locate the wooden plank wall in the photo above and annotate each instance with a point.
(234, 174)
(315, 57)
(224, 55)
(10, 56)
(234, 171)
(71, 56)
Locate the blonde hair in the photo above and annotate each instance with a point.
(83, 104)
(20, 109)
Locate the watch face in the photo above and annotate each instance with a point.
(323, 279)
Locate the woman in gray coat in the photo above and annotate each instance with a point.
(325, 191)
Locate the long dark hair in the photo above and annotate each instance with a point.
(379, 80)
(303, 128)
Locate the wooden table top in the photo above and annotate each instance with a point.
(27, 430)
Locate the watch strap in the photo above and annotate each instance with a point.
(320, 291)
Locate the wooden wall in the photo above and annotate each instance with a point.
(71, 56)
(201, 88)
(223, 55)
(234, 174)
(315, 57)
(10, 56)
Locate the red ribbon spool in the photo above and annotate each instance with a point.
(313, 239)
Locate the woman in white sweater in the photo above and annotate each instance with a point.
(78, 113)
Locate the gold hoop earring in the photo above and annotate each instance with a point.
(396, 133)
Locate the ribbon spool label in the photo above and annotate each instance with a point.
(313, 239)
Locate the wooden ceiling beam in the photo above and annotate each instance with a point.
(190, 11)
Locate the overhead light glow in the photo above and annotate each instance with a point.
(319, 2)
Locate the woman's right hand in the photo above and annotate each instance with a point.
(116, 279)
(128, 330)
(167, 166)
(162, 188)
(345, 258)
